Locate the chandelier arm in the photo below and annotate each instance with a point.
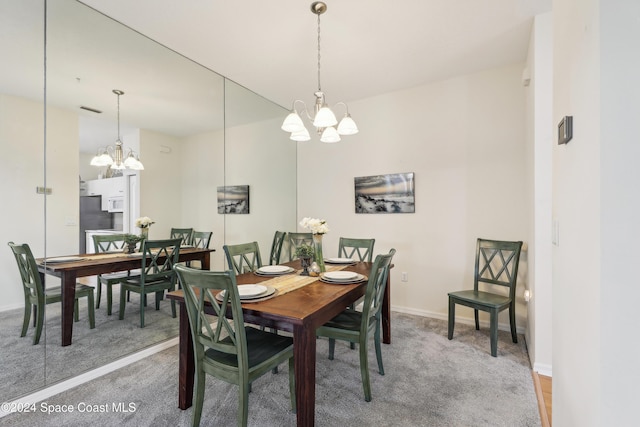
(346, 107)
(304, 110)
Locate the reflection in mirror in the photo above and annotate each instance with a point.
(21, 171)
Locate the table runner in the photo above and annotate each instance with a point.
(290, 282)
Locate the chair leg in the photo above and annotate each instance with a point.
(332, 347)
(92, 311)
(158, 299)
(364, 370)
(123, 302)
(243, 403)
(477, 319)
(376, 341)
(494, 332)
(27, 318)
(512, 321)
(452, 315)
(198, 398)
(76, 314)
(173, 309)
(99, 293)
(35, 314)
(142, 307)
(292, 385)
(109, 298)
(39, 319)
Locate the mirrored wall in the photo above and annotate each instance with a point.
(194, 130)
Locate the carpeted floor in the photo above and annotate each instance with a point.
(429, 381)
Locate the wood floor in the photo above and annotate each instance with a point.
(543, 388)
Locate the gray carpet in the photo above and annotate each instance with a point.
(429, 381)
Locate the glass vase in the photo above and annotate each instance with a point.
(317, 248)
(144, 233)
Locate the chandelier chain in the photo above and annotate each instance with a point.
(319, 86)
(118, 117)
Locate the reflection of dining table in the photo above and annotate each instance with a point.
(68, 269)
(300, 311)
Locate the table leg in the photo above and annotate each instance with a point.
(206, 261)
(186, 366)
(304, 352)
(68, 282)
(386, 312)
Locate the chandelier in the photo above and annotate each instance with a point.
(324, 119)
(113, 155)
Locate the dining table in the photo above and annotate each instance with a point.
(299, 311)
(70, 268)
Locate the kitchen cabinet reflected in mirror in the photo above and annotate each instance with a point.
(192, 129)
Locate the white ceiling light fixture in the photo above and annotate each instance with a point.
(113, 155)
(324, 120)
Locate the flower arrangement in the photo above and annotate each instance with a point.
(144, 222)
(317, 226)
(305, 251)
(132, 239)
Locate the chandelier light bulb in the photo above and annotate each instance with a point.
(330, 135)
(292, 123)
(347, 126)
(301, 135)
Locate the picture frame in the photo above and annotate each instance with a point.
(385, 194)
(233, 199)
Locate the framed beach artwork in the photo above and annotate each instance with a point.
(392, 193)
(233, 199)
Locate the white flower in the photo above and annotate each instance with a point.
(144, 222)
(317, 226)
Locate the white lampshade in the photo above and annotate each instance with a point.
(130, 162)
(301, 135)
(103, 159)
(347, 126)
(330, 134)
(292, 123)
(325, 118)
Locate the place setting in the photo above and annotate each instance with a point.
(273, 270)
(340, 261)
(251, 293)
(342, 277)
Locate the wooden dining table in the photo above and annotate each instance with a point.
(101, 263)
(300, 312)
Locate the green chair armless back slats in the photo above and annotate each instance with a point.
(496, 264)
(356, 327)
(110, 243)
(228, 350)
(36, 296)
(199, 239)
(276, 247)
(183, 233)
(358, 249)
(157, 274)
(243, 257)
(297, 239)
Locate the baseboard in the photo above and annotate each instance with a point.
(543, 369)
(65, 385)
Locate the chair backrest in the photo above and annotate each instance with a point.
(298, 239)
(158, 259)
(201, 239)
(200, 288)
(31, 283)
(497, 263)
(183, 233)
(244, 257)
(108, 242)
(376, 285)
(363, 248)
(276, 247)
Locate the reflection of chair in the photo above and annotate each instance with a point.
(244, 257)
(363, 248)
(36, 297)
(182, 233)
(199, 239)
(230, 351)
(356, 327)
(496, 264)
(109, 243)
(156, 274)
(298, 239)
(276, 247)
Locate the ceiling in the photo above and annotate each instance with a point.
(367, 47)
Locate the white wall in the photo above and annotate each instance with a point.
(539, 95)
(596, 201)
(464, 138)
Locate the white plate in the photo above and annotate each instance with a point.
(270, 290)
(64, 259)
(248, 291)
(273, 269)
(340, 275)
(359, 278)
(340, 260)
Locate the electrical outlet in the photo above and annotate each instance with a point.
(405, 276)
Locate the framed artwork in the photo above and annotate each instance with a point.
(233, 199)
(392, 193)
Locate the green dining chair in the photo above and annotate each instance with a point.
(199, 239)
(356, 327)
(228, 350)
(109, 243)
(183, 233)
(36, 296)
(359, 249)
(297, 239)
(157, 274)
(496, 264)
(276, 247)
(244, 257)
